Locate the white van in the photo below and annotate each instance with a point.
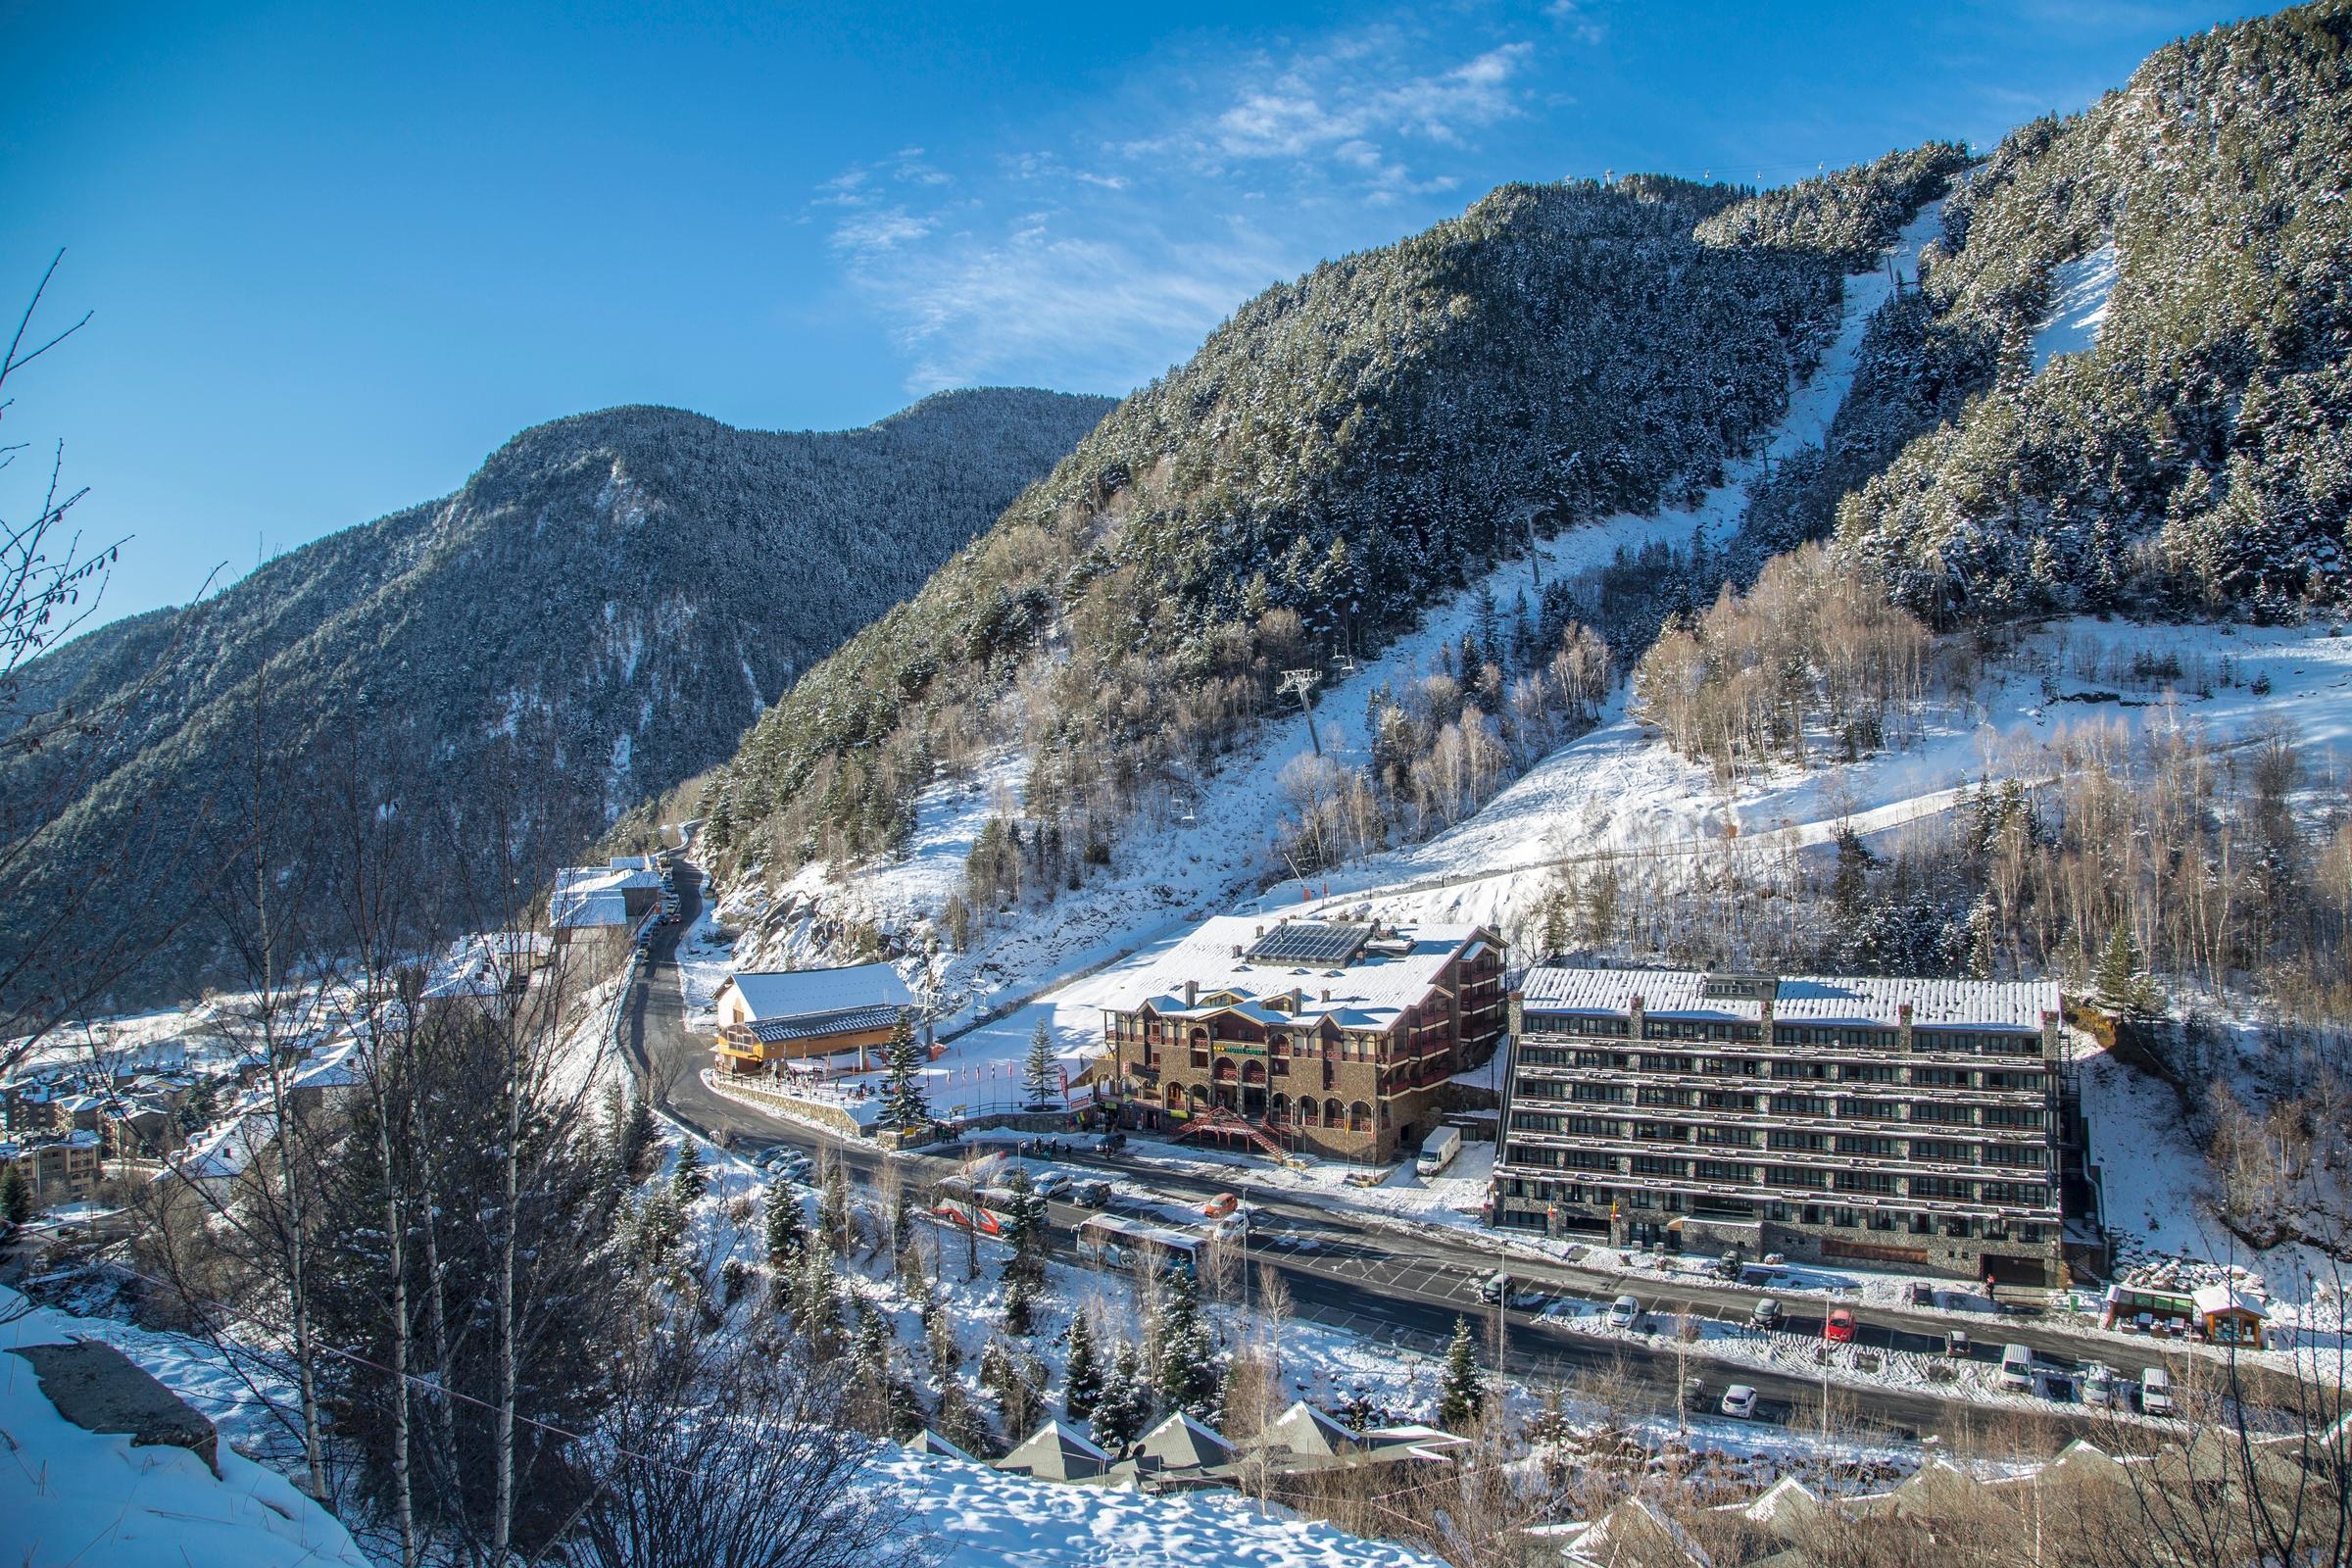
(1438, 1151)
(2016, 1369)
(2155, 1390)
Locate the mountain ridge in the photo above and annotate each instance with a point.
(596, 604)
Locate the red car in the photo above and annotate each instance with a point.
(1839, 1330)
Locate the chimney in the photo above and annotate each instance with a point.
(1262, 930)
(1192, 994)
(1237, 950)
(1327, 995)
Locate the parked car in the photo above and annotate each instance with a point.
(1740, 1400)
(1111, 1143)
(1695, 1394)
(1093, 1194)
(1220, 1205)
(1839, 1329)
(1918, 1294)
(1051, 1184)
(1765, 1314)
(1955, 1344)
(1624, 1313)
(2099, 1387)
(1495, 1287)
(2155, 1390)
(2016, 1369)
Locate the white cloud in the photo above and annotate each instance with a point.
(1339, 98)
(1575, 18)
(1108, 312)
(870, 232)
(1098, 261)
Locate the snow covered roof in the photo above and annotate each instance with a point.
(223, 1151)
(1057, 1453)
(1180, 1443)
(2212, 1298)
(1303, 1428)
(1391, 970)
(794, 994)
(337, 1068)
(613, 878)
(809, 1025)
(1865, 1001)
(576, 908)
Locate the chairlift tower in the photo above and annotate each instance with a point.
(1300, 682)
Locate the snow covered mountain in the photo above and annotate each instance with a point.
(1346, 452)
(2145, 305)
(597, 615)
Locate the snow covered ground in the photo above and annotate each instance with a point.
(1619, 791)
(979, 1518)
(2080, 290)
(75, 1496)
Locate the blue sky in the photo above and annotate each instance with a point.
(338, 254)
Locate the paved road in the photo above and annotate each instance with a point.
(1383, 1284)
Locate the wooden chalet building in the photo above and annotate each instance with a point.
(766, 1018)
(1331, 1037)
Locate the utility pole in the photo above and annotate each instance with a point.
(1300, 682)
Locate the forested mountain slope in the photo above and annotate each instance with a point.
(1343, 451)
(2195, 451)
(596, 615)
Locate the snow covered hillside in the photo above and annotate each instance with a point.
(1217, 847)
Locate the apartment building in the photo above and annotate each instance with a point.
(1327, 1036)
(1911, 1123)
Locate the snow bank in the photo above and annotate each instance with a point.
(96, 1501)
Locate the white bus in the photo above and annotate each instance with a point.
(1111, 1242)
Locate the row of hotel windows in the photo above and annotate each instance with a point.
(1844, 1107)
(1951, 1040)
(1944, 1150)
(1876, 1220)
(1348, 1047)
(1533, 1054)
(1874, 1183)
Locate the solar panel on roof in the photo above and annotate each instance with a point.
(1310, 942)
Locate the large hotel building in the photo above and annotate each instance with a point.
(1912, 1124)
(1331, 1037)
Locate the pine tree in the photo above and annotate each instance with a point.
(1084, 1384)
(815, 1299)
(16, 1198)
(636, 1139)
(906, 1108)
(1025, 1225)
(688, 1180)
(833, 1208)
(1124, 1409)
(660, 1224)
(1188, 1373)
(2126, 989)
(963, 1423)
(1003, 1375)
(1462, 1389)
(1038, 1074)
(786, 1233)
